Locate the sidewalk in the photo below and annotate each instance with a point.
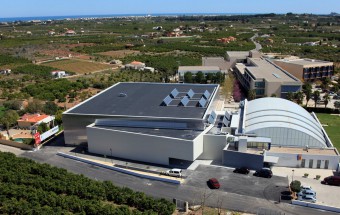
(111, 166)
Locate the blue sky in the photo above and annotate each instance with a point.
(24, 8)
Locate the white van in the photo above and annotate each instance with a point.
(174, 172)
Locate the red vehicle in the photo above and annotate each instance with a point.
(213, 183)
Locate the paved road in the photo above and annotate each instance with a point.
(191, 191)
(258, 46)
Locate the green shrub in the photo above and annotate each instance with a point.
(295, 186)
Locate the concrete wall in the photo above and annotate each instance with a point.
(290, 160)
(16, 144)
(139, 147)
(213, 147)
(239, 159)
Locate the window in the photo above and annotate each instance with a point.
(259, 84)
(287, 88)
(326, 164)
(318, 164)
(303, 163)
(311, 163)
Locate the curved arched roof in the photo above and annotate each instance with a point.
(280, 113)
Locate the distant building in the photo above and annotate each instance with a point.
(307, 69)
(266, 78)
(70, 33)
(51, 33)
(29, 121)
(5, 71)
(195, 69)
(135, 65)
(58, 74)
(227, 39)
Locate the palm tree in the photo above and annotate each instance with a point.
(290, 96)
(316, 97)
(299, 97)
(326, 98)
(251, 95)
(307, 90)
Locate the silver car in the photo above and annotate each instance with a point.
(307, 198)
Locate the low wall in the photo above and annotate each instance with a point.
(317, 206)
(118, 169)
(16, 144)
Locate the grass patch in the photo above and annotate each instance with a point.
(333, 127)
(77, 66)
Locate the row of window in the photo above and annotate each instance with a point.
(323, 68)
(317, 75)
(289, 88)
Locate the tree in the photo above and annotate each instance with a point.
(13, 104)
(34, 106)
(299, 97)
(199, 77)
(251, 95)
(325, 83)
(42, 128)
(326, 99)
(188, 77)
(210, 77)
(9, 118)
(219, 77)
(337, 104)
(290, 96)
(295, 186)
(316, 97)
(50, 108)
(58, 117)
(273, 95)
(307, 90)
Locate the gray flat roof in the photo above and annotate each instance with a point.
(306, 62)
(199, 68)
(144, 100)
(266, 70)
(171, 133)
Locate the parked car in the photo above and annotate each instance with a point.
(336, 97)
(174, 172)
(332, 180)
(307, 198)
(213, 183)
(307, 192)
(242, 170)
(264, 173)
(305, 187)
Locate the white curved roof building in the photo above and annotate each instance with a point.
(286, 123)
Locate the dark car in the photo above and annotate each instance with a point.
(213, 183)
(242, 170)
(332, 180)
(264, 173)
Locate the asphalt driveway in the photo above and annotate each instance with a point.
(249, 185)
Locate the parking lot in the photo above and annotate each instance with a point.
(248, 185)
(325, 194)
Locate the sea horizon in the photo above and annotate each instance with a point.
(45, 18)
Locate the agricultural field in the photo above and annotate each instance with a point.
(78, 66)
(332, 128)
(119, 54)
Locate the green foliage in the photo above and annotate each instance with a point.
(295, 186)
(52, 89)
(43, 127)
(188, 77)
(7, 59)
(34, 106)
(35, 70)
(59, 117)
(50, 108)
(27, 187)
(9, 118)
(13, 104)
(28, 141)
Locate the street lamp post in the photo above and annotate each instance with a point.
(292, 175)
